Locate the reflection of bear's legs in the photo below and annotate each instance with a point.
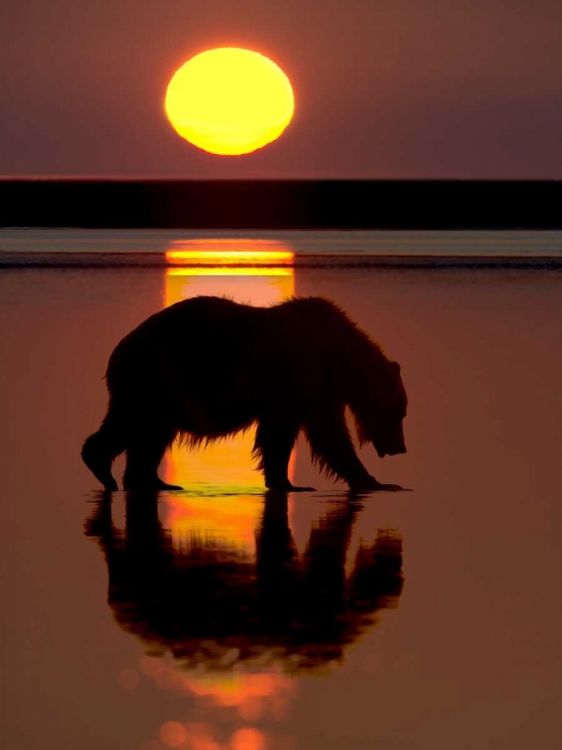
(332, 447)
(146, 447)
(274, 442)
(277, 570)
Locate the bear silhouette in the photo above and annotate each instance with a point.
(209, 367)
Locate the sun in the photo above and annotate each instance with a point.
(229, 101)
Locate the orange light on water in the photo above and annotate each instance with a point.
(252, 694)
(248, 738)
(232, 690)
(222, 522)
(229, 101)
(173, 734)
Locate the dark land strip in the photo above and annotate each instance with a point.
(281, 204)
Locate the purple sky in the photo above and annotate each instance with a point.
(384, 88)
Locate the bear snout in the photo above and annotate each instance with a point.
(391, 451)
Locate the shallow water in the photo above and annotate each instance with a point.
(224, 618)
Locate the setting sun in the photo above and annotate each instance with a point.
(229, 101)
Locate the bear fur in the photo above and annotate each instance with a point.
(209, 367)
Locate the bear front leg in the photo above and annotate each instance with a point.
(332, 447)
(275, 438)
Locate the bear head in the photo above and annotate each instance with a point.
(379, 405)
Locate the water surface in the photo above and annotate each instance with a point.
(223, 618)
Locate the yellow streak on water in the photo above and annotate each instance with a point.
(228, 271)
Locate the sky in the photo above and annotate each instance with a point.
(462, 89)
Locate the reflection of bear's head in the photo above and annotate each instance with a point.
(379, 404)
(208, 601)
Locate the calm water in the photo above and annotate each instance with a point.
(224, 619)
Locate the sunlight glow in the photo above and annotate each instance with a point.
(229, 101)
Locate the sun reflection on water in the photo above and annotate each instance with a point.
(234, 253)
(253, 272)
(222, 267)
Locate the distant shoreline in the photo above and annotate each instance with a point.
(280, 204)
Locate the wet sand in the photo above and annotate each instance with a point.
(424, 619)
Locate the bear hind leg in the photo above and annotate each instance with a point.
(101, 448)
(144, 453)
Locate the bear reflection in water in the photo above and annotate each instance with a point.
(208, 367)
(206, 602)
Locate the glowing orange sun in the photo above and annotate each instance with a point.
(229, 101)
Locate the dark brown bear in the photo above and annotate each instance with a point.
(208, 367)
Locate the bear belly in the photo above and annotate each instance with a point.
(214, 420)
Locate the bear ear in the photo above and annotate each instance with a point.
(394, 368)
